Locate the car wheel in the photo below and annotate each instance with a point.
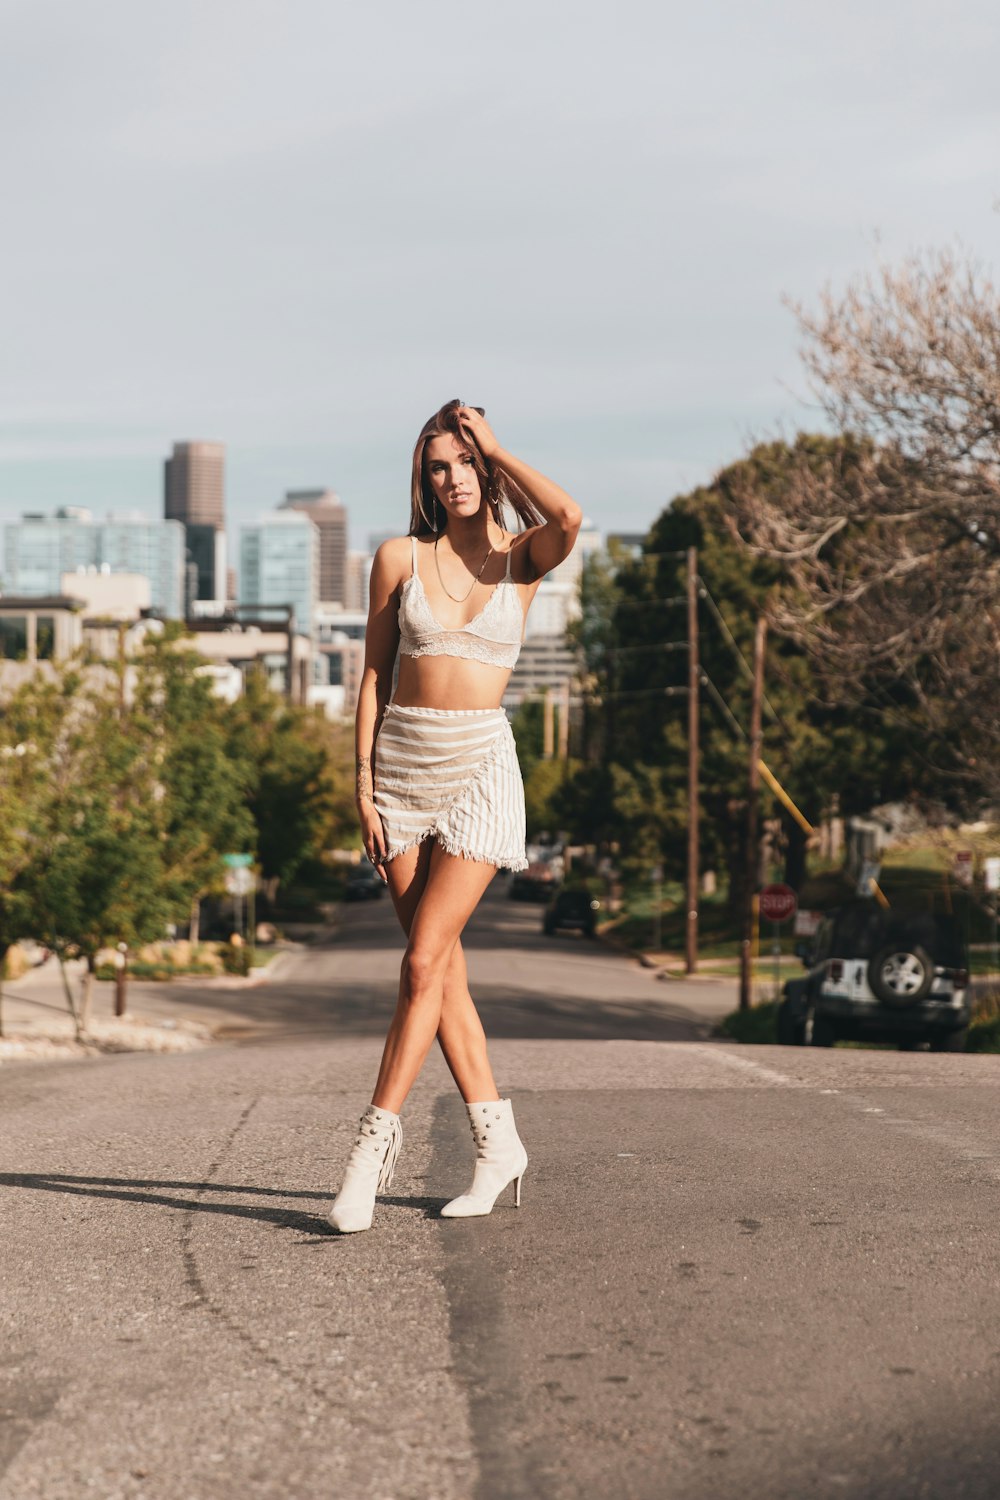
(900, 976)
(548, 929)
(950, 1041)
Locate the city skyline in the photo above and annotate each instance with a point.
(603, 270)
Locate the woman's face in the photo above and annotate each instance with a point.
(452, 475)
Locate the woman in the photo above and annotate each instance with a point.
(445, 808)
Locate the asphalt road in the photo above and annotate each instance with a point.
(767, 1272)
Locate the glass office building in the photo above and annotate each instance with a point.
(279, 565)
(39, 549)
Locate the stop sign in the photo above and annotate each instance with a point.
(777, 903)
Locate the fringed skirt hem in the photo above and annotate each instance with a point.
(453, 775)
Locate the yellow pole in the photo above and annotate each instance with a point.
(754, 944)
(784, 798)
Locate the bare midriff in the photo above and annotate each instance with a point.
(449, 682)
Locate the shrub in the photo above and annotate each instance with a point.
(758, 1025)
(984, 1036)
(235, 960)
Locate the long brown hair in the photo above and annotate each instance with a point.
(497, 487)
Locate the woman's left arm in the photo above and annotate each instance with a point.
(549, 543)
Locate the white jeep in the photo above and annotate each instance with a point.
(886, 976)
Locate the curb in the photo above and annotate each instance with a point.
(617, 946)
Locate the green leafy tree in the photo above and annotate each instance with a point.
(527, 724)
(31, 724)
(542, 801)
(204, 811)
(96, 879)
(283, 755)
(634, 635)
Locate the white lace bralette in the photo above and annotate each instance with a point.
(492, 637)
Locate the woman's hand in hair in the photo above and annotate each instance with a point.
(475, 426)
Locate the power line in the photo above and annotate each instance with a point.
(660, 692)
(647, 646)
(730, 640)
(650, 603)
(721, 703)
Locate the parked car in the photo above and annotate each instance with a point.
(536, 883)
(876, 975)
(364, 883)
(571, 911)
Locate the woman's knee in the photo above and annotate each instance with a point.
(424, 969)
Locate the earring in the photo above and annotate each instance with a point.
(434, 522)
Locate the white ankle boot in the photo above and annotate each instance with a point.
(369, 1170)
(500, 1160)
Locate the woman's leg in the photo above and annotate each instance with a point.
(453, 889)
(461, 1036)
(460, 1033)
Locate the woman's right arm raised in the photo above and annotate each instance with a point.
(381, 645)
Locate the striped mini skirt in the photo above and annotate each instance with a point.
(453, 775)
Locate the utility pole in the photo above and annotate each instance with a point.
(563, 740)
(753, 787)
(548, 728)
(694, 671)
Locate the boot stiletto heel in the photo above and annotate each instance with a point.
(500, 1160)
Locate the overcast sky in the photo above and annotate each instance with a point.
(299, 227)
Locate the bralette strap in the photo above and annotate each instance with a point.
(413, 553)
(509, 551)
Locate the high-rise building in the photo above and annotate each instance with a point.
(194, 484)
(359, 572)
(329, 516)
(589, 540)
(39, 549)
(279, 565)
(194, 494)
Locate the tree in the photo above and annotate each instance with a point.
(283, 757)
(637, 794)
(528, 727)
(204, 808)
(542, 787)
(892, 547)
(30, 726)
(96, 876)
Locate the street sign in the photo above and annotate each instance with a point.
(777, 903)
(963, 867)
(238, 861)
(991, 870)
(807, 922)
(240, 881)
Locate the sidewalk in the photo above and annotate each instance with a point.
(162, 1016)
(669, 964)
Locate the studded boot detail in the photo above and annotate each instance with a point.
(500, 1160)
(369, 1170)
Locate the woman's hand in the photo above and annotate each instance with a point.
(372, 834)
(476, 426)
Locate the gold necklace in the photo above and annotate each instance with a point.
(459, 598)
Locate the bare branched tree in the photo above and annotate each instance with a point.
(891, 544)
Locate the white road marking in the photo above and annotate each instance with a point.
(732, 1060)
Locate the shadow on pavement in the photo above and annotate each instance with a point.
(112, 1187)
(363, 1009)
(127, 1190)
